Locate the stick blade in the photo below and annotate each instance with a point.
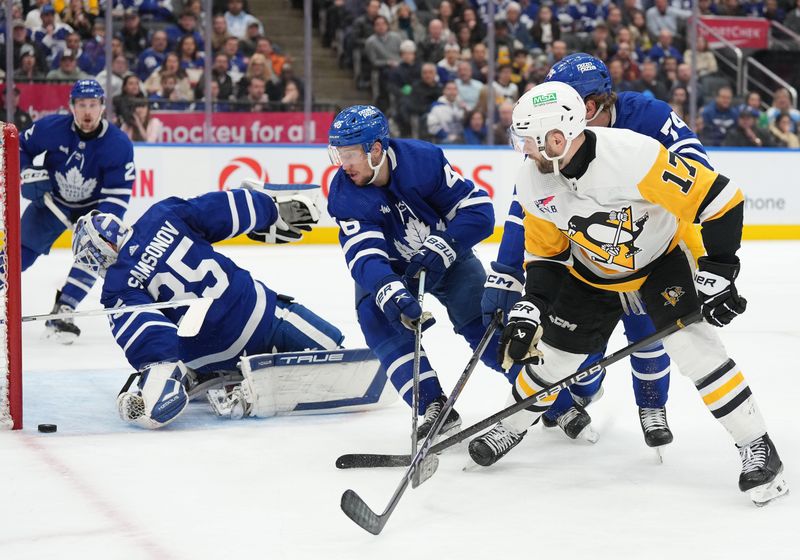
(356, 509)
(371, 461)
(192, 320)
(425, 470)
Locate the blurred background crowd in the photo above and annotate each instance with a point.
(438, 68)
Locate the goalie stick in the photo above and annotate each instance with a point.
(423, 466)
(374, 460)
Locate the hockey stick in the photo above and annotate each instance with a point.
(51, 205)
(372, 460)
(190, 324)
(417, 359)
(356, 509)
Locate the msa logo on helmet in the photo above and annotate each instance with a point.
(544, 99)
(586, 66)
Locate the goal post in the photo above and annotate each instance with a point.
(10, 281)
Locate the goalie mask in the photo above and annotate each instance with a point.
(548, 107)
(97, 240)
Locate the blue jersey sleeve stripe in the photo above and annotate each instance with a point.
(122, 191)
(365, 253)
(514, 220)
(234, 214)
(114, 200)
(251, 209)
(357, 239)
(696, 155)
(685, 142)
(479, 196)
(142, 328)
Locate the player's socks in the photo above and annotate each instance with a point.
(62, 330)
(490, 447)
(432, 413)
(762, 471)
(654, 426)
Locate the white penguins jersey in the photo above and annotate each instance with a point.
(634, 203)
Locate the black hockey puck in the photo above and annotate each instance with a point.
(47, 428)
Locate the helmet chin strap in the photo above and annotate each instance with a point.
(556, 159)
(596, 113)
(375, 168)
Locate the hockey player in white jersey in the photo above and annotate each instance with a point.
(606, 211)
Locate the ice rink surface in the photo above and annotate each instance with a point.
(208, 488)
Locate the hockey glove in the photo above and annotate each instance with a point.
(437, 253)
(159, 398)
(521, 335)
(35, 184)
(719, 299)
(399, 306)
(503, 288)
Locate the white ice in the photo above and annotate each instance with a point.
(268, 489)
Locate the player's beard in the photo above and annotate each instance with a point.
(545, 166)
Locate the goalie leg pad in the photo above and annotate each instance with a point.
(159, 398)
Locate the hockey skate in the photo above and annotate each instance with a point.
(575, 422)
(62, 330)
(490, 447)
(655, 429)
(432, 412)
(762, 471)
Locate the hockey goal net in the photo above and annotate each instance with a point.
(10, 273)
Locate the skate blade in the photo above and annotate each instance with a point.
(660, 450)
(61, 337)
(587, 435)
(764, 494)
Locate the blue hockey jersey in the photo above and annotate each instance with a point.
(98, 172)
(169, 257)
(382, 227)
(633, 111)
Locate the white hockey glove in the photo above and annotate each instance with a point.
(297, 211)
(521, 335)
(159, 398)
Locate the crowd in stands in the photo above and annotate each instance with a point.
(425, 62)
(157, 61)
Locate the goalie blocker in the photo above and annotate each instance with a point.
(314, 382)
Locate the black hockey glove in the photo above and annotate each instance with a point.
(521, 335)
(719, 299)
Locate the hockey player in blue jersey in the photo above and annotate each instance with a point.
(167, 255)
(88, 165)
(401, 208)
(651, 366)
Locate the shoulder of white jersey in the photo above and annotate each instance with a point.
(624, 156)
(530, 184)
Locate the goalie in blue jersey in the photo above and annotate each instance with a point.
(87, 165)
(650, 367)
(402, 208)
(167, 255)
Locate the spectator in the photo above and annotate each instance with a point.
(292, 96)
(782, 103)
(190, 59)
(557, 52)
(217, 106)
(517, 30)
(679, 101)
(264, 47)
(256, 100)
(475, 131)
(730, 8)
(446, 117)
(33, 19)
(425, 91)
(171, 66)
(753, 101)
(469, 89)
(73, 43)
(520, 69)
(597, 43)
(67, 69)
(236, 62)
(92, 59)
(463, 40)
(663, 16)
(589, 13)
(683, 76)
(706, 61)
(504, 88)
(77, 19)
(168, 98)
(719, 117)
(132, 34)
(746, 133)
(544, 30)
(238, 20)
(447, 67)
(431, 49)
(641, 36)
(630, 69)
(364, 25)
(664, 48)
(248, 45)
(614, 22)
(119, 68)
(20, 39)
(152, 57)
(792, 20)
(628, 8)
(383, 52)
(504, 43)
(142, 127)
(649, 84)
(782, 133)
(187, 25)
(562, 13)
(669, 72)
(617, 74)
(476, 27)
(219, 32)
(407, 24)
(28, 71)
(445, 15)
(196, 7)
(260, 68)
(123, 103)
(504, 120)
(22, 119)
(480, 62)
(773, 12)
(219, 76)
(400, 81)
(50, 35)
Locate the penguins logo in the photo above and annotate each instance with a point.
(608, 236)
(672, 295)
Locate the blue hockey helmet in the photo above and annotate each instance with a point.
(87, 89)
(97, 240)
(359, 124)
(586, 74)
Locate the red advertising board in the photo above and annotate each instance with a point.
(39, 100)
(745, 33)
(244, 128)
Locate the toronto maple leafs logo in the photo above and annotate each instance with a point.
(414, 233)
(73, 187)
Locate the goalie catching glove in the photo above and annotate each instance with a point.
(720, 302)
(158, 398)
(521, 335)
(297, 211)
